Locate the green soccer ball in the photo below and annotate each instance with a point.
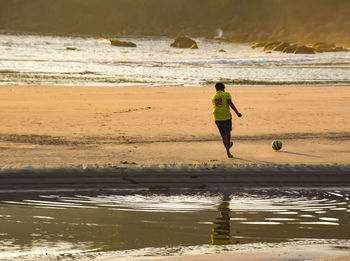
(277, 144)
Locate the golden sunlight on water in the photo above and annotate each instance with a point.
(68, 223)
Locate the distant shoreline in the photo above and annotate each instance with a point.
(239, 21)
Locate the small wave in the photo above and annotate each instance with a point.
(150, 203)
(45, 73)
(321, 64)
(8, 71)
(82, 72)
(104, 41)
(262, 82)
(67, 78)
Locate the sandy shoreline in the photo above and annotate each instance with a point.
(286, 251)
(174, 180)
(104, 130)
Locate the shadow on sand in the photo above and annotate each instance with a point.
(274, 163)
(300, 154)
(256, 161)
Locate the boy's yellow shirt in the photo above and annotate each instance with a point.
(221, 107)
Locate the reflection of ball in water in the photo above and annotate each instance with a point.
(277, 144)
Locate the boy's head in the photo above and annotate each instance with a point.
(220, 86)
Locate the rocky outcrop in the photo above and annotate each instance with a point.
(184, 42)
(122, 44)
(328, 47)
(280, 47)
(71, 48)
(299, 49)
(290, 49)
(304, 50)
(270, 45)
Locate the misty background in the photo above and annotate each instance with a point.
(240, 20)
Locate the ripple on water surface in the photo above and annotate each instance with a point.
(61, 223)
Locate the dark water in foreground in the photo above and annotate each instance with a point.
(69, 223)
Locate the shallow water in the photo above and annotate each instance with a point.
(40, 60)
(75, 223)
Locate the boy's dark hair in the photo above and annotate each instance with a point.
(219, 86)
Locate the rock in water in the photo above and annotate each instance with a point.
(304, 50)
(184, 42)
(328, 47)
(270, 45)
(71, 48)
(281, 46)
(122, 44)
(290, 49)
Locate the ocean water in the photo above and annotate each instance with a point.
(140, 225)
(44, 60)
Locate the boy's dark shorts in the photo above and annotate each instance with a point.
(224, 126)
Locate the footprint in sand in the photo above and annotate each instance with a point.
(133, 109)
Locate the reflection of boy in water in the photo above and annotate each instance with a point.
(221, 233)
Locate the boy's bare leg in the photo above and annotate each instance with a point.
(227, 143)
(229, 139)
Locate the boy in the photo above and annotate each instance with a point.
(223, 119)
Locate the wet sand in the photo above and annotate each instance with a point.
(255, 256)
(249, 257)
(174, 179)
(311, 252)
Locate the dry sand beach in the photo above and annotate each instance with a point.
(50, 126)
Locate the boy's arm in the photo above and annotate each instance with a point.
(229, 101)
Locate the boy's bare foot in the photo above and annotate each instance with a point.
(231, 144)
(229, 155)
